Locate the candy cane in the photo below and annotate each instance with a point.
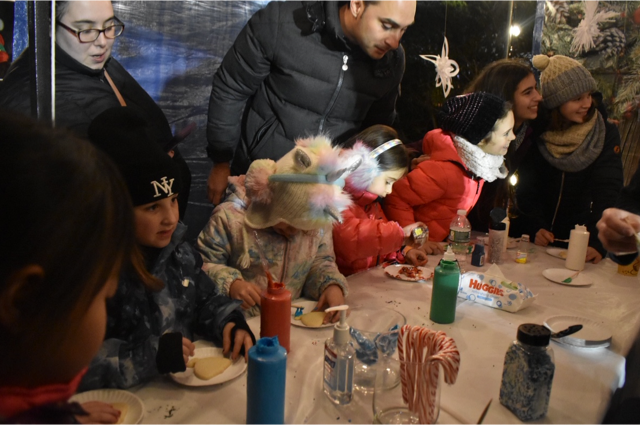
(402, 336)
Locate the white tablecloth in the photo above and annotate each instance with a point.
(583, 383)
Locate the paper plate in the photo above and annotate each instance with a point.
(396, 271)
(558, 275)
(592, 335)
(557, 252)
(136, 407)
(308, 306)
(188, 378)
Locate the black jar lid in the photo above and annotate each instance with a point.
(532, 334)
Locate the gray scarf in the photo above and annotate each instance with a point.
(482, 164)
(583, 155)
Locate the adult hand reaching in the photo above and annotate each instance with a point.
(218, 181)
(593, 255)
(544, 237)
(617, 229)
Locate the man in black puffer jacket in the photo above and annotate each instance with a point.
(300, 68)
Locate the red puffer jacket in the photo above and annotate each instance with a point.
(365, 237)
(434, 191)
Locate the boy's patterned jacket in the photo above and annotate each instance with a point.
(189, 303)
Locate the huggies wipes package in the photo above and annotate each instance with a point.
(492, 289)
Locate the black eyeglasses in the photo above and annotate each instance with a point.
(91, 35)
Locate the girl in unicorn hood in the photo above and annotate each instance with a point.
(291, 204)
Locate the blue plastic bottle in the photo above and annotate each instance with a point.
(266, 378)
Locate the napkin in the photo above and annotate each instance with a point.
(493, 289)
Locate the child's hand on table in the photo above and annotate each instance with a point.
(331, 297)
(242, 338)
(416, 257)
(432, 248)
(248, 292)
(593, 255)
(187, 349)
(98, 413)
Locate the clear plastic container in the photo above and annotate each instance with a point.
(391, 398)
(460, 236)
(522, 252)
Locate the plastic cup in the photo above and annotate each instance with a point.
(391, 396)
(374, 335)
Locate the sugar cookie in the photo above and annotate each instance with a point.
(208, 367)
(123, 408)
(192, 362)
(313, 319)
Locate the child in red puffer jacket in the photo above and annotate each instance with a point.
(365, 238)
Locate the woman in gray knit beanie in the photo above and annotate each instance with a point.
(575, 172)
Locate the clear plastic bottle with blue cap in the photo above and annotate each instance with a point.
(339, 361)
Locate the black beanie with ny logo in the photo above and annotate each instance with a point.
(150, 173)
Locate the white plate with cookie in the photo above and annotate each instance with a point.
(309, 318)
(129, 404)
(209, 367)
(557, 252)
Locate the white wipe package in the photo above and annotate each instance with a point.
(492, 289)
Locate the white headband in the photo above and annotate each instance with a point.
(384, 147)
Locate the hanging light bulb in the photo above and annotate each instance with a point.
(513, 180)
(514, 31)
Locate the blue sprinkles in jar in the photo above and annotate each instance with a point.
(528, 373)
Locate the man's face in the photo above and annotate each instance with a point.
(379, 27)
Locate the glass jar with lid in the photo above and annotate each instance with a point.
(528, 373)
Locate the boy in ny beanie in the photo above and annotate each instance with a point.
(468, 148)
(150, 327)
(291, 205)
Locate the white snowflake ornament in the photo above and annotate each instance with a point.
(446, 68)
(587, 31)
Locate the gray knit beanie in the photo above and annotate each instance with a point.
(562, 79)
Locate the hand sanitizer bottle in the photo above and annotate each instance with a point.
(339, 357)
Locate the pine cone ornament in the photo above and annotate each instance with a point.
(610, 42)
(558, 11)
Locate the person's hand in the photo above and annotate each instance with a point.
(218, 181)
(171, 153)
(248, 292)
(617, 229)
(416, 257)
(544, 237)
(432, 248)
(593, 255)
(407, 230)
(331, 297)
(187, 349)
(418, 160)
(98, 413)
(242, 338)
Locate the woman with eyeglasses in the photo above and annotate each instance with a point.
(88, 80)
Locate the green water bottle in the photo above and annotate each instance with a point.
(444, 294)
